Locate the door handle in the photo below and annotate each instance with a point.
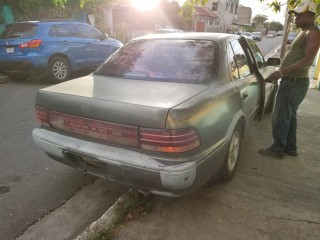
(244, 95)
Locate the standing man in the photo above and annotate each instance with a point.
(294, 72)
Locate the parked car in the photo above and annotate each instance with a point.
(248, 34)
(164, 113)
(257, 36)
(271, 34)
(53, 47)
(291, 37)
(168, 30)
(279, 33)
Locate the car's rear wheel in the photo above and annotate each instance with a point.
(231, 162)
(59, 69)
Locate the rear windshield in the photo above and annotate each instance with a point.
(189, 61)
(19, 30)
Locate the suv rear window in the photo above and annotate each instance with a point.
(20, 30)
(190, 61)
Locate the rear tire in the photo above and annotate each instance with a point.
(231, 161)
(59, 69)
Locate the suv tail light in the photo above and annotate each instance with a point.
(171, 141)
(31, 44)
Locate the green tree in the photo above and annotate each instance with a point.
(186, 13)
(275, 26)
(259, 19)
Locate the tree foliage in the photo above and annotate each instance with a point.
(259, 19)
(275, 26)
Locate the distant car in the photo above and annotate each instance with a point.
(271, 34)
(257, 36)
(53, 47)
(248, 34)
(279, 33)
(164, 113)
(291, 37)
(168, 30)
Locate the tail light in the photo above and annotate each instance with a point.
(31, 44)
(171, 141)
(42, 116)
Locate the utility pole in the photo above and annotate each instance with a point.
(288, 21)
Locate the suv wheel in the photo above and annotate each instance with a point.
(59, 69)
(231, 162)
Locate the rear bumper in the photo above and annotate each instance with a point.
(169, 178)
(21, 66)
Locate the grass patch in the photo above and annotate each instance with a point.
(130, 207)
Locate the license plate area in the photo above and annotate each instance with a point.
(85, 160)
(9, 49)
(93, 162)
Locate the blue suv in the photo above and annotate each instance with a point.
(54, 47)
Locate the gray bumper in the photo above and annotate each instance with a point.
(117, 164)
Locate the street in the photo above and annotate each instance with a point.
(31, 184)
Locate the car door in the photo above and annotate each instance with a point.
(243, 77)
(98, 49)
(73, 46)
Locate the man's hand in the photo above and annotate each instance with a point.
(274, 77)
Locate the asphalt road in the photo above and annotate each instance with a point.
(31, 184)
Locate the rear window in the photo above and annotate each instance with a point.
(189, 61)
(20, 30)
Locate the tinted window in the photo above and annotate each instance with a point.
(20, 30)
(53, 31)
(191, 61)
(86, 31)
(66, 30)
(240, 58)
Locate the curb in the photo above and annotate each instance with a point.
(104, 220)
(4, 79)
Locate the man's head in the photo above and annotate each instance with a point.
(304, 13)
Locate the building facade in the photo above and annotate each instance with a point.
(244, 15)
(227, 11)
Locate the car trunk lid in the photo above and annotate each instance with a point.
(123, 101)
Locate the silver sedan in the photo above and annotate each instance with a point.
(164, 113)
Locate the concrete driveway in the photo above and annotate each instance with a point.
(267, 199)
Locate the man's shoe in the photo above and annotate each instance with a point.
(291, 152)
(269, 153)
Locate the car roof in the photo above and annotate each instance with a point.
(50, 21)
(169, 30)
(190, 35)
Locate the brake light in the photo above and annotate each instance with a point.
(170, 141)
(42, 116)
(31, 44)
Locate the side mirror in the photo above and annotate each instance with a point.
(273, 61)
(104, 36)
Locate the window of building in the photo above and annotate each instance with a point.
(227, 5)
(231, 8)
(214, 6)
